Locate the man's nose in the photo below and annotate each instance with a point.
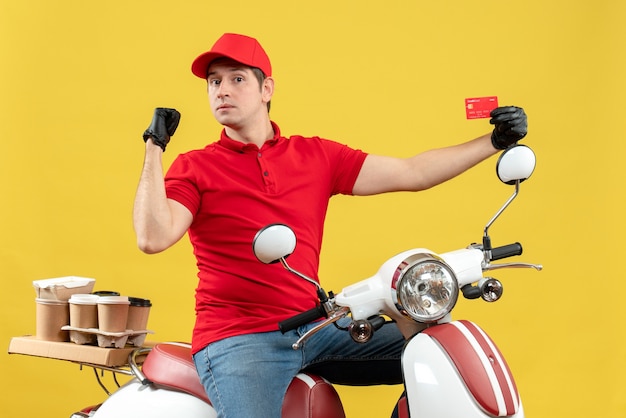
(222, 89)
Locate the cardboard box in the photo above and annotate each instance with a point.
(30, 345)
(62, 288)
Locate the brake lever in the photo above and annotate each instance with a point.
(490, 267)
(334, 317)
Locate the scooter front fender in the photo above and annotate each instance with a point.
(134, 400)
(456, 370)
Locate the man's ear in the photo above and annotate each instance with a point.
(267, 90)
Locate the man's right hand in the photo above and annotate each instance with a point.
(163, 125)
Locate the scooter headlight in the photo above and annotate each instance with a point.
(425, 288)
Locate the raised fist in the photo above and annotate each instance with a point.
(164, 124)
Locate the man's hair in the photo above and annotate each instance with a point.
(260, 75)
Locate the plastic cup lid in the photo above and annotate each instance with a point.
(113, 300)
(139, 302)
(106, 293)
(84, 299)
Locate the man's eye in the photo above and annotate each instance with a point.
(239, 79)
(214, 82)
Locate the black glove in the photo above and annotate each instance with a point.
(511, 125)
(164, 124)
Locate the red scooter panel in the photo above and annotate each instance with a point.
(480, 364)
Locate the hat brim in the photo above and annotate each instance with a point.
(200, 65)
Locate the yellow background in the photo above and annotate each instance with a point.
(79, 80)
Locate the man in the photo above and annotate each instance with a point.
(253, 176)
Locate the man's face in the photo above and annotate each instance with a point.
(235, 96)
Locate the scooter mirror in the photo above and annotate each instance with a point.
(274, 242)
(516, 163)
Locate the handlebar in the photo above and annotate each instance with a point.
(505, 251)
(302, 319)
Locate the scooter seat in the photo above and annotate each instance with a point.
(171, 365)
(308, 395)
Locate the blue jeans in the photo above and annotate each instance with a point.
(247, 376)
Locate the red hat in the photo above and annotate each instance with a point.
(240, 48)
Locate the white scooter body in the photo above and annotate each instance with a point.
(451, 369)
(134, 400)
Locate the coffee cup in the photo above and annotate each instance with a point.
(84, 315)
(138, 312)
(84, 311)
(51, 315)
(113, 313)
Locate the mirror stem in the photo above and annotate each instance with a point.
(297, 273)
(321, 293)
(486, 239)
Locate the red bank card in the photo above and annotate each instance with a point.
(480, 107)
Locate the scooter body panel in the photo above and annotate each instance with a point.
(134, 400)
(454, 369)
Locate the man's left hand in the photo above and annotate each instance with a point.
(511, 125)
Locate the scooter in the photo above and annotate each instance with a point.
(451, 368)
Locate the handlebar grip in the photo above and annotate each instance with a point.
(505, 251)
(301, 319)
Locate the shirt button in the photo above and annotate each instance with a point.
(265, 173)
(259, 155)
